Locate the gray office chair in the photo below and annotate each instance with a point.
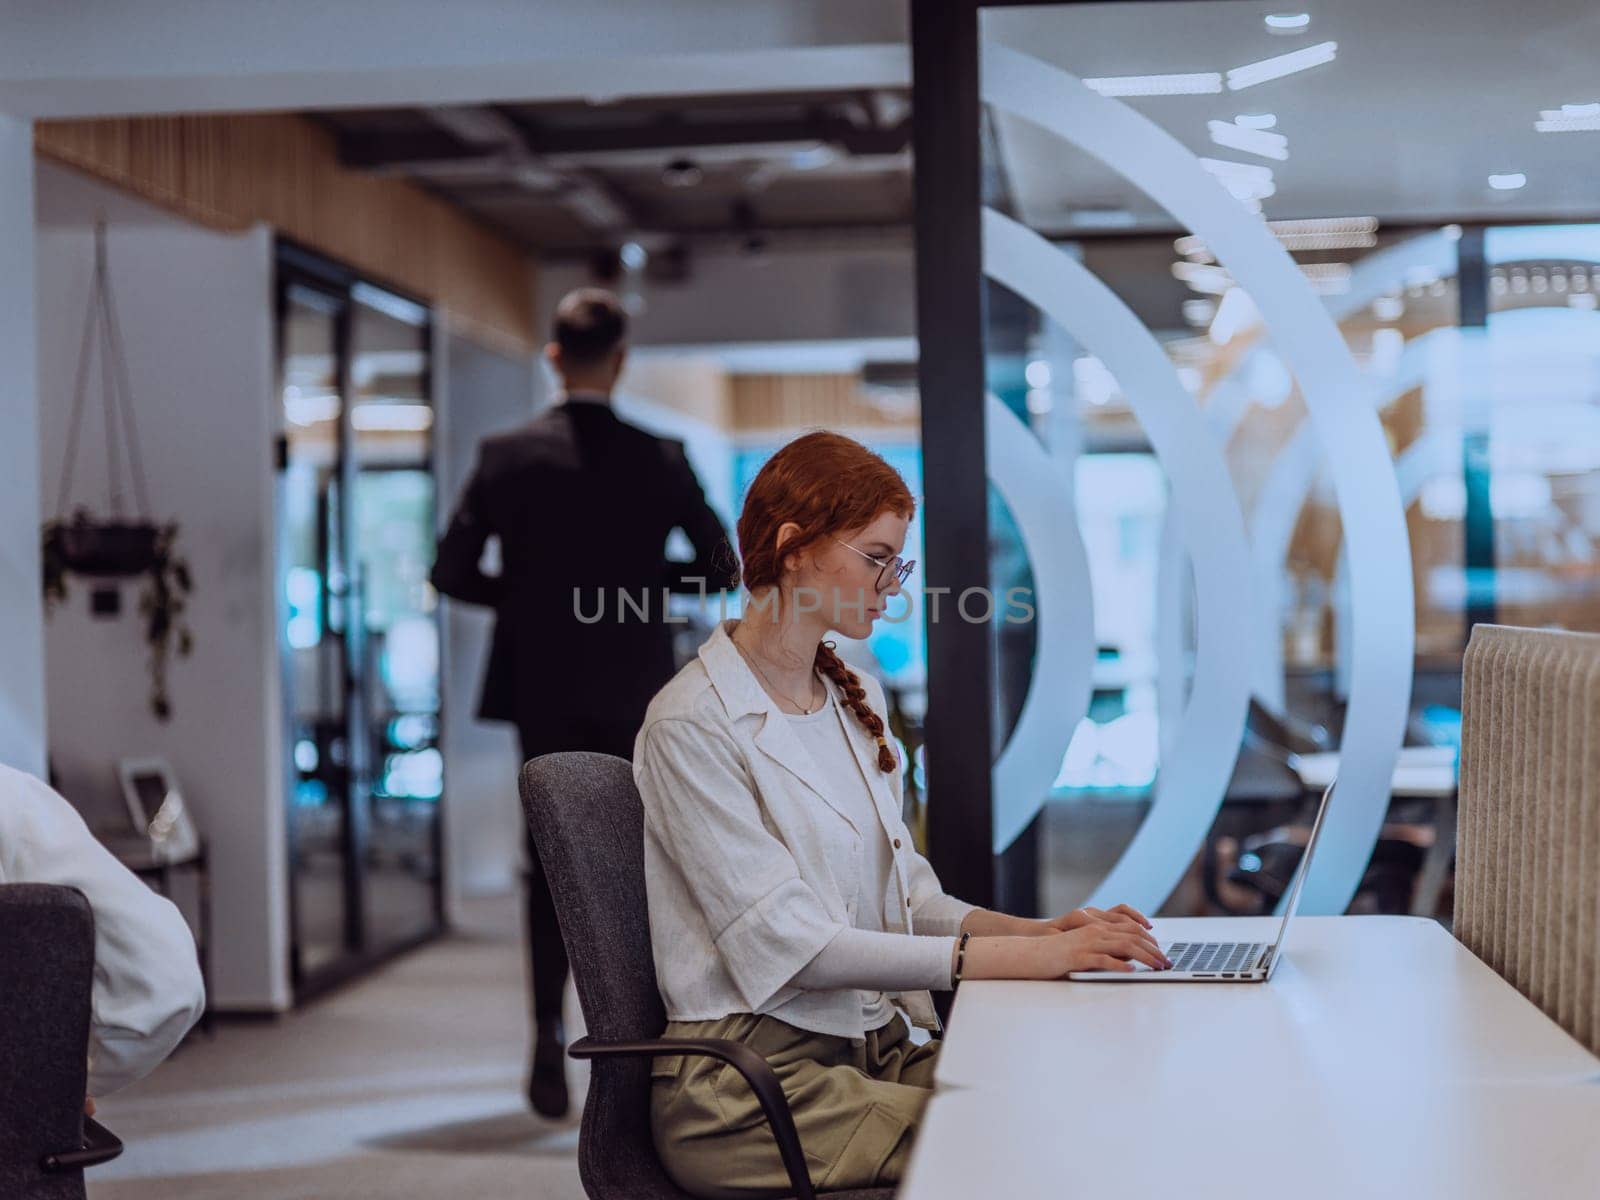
(46, 972)
(588, 823)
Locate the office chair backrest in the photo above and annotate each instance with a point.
(46, 973)
(588, 824)
(1527, 897)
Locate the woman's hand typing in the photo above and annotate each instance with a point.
(1123, 916)
(1095, 946)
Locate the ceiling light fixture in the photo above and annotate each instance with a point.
(1284, 64)
(1246, 181)
(1205, 83)
(1388, 308)
(1569, 118)
(1301, 242)
(1203, 277)
(1327, 278)
(1288, 22)
(1251, 141)
(1327, 233)
(1311, 233)
(1101, 218)
(1256, 120)
(1508, 183)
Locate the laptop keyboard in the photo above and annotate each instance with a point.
(1220, 958)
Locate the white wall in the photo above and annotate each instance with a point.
(22, 711)
(150, 56)
(481, 392)
(195, 309)
(663, 395)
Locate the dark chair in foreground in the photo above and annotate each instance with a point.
(588, 823)
(46, 972)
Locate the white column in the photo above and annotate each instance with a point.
(22, 710)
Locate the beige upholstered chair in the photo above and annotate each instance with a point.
(1527, 897)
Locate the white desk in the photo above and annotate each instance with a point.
(1367, 997)
(1380, 1045)
(1329, 1142)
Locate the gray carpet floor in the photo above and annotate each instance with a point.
(410, 1082)
(406, 1084)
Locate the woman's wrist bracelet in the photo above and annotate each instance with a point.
(961, 960)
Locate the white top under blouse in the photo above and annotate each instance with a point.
(856, 954)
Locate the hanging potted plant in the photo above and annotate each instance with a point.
(119, 545)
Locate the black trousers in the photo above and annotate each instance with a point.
(546, 952)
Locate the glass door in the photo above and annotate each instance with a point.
(391, 443)
(313, 593)
(358, 631)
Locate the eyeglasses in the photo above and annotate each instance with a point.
(896, 569)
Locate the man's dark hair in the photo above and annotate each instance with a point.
(589, 324)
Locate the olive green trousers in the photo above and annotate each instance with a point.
(856, 1105)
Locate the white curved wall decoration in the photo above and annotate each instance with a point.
(1428, 256)
(1431, 455)
(1192, 782)
(1294, 472)
(1312, 347)
(1039, 493)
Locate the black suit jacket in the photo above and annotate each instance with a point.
(579, 499)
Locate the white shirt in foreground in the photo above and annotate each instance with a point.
(147, 990)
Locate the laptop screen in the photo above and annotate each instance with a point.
(1300, 874)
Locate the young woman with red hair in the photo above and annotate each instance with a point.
(789, 909)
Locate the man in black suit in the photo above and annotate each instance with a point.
(582, 503)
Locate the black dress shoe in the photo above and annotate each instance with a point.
(547, 1077)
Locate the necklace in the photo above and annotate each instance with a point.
(805, 711)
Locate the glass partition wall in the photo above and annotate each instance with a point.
(357, 620)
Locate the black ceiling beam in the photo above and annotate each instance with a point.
(381, 151)
(675, 133)
(877, 231)
(376, 151)
(702, 101)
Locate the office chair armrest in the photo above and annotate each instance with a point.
(100, 1145)
(763, 1081)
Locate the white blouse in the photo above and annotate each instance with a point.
(753, 865)
(147, 990)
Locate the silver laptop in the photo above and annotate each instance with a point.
(1225, 962)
